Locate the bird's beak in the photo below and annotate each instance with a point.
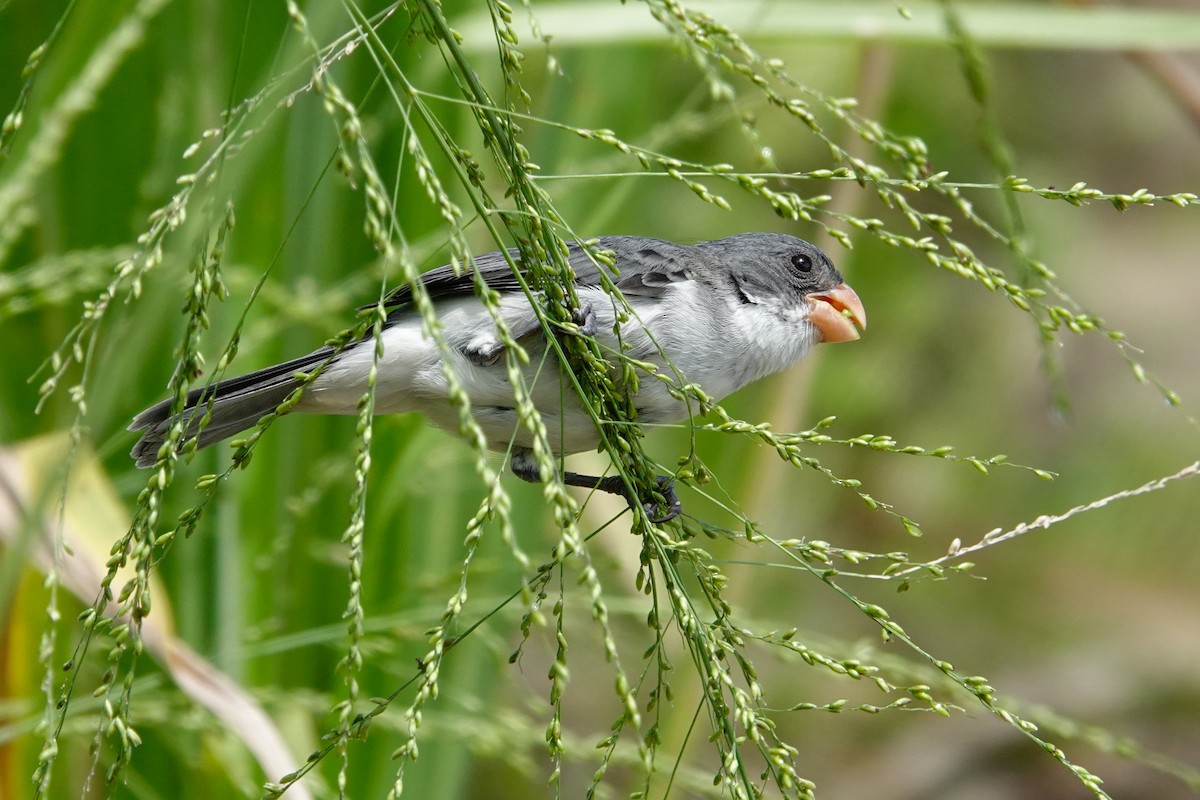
(837, 314)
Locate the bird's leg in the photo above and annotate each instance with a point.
(615, 484)
(525, 467)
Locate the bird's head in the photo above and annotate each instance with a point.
(794, 279)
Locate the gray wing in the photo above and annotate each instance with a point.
(644, 267)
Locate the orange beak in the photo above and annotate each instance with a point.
(837, 314)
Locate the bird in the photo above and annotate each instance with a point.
(721, 314)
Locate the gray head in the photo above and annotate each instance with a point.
(792, 278)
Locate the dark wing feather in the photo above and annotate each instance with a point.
(644, 266)
(650, 266)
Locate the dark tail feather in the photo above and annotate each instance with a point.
(237, 404)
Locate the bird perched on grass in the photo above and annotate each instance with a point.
(720, 314)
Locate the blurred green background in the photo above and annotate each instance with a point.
(1094, 619)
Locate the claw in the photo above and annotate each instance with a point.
(585, 318)
(666, 486)
(670, 500)
(485, 356)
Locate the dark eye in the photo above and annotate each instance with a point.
(802, 262)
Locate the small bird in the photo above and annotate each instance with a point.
(720, 314)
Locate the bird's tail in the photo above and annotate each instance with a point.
(236, 404)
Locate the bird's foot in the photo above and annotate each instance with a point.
(484, 353)
(670, 506)
(585, 318)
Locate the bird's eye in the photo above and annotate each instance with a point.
(802, 262)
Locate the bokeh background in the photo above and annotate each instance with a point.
(1089, 627)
